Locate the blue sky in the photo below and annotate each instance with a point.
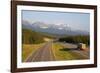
(80, 21)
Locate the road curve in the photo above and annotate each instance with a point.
(44, 53)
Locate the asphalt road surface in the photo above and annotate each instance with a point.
(44, 53)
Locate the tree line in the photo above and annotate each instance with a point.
(76, 39)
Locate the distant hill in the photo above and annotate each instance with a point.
(76, 39)
(31, 37)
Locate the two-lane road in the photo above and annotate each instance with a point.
(44, 53)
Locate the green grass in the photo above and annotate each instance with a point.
(32, 37)
(27, 49)
(65, 55)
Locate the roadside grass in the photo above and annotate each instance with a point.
(27, 49)
(65, 54)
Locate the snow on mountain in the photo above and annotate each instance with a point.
(57, 29)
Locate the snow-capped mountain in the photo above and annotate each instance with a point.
(56, 29)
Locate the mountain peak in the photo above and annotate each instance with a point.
(57, 29)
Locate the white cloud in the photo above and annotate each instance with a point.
(44, 27)
(58, 24)
(60, 28)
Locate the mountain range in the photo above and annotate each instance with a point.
(53, 29)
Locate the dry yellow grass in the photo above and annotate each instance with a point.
(27, 49)
(65, 55)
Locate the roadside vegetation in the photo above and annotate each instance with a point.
(76, 39)
(32, 41)
(33, 37)
(27, 49)
(61, 54)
